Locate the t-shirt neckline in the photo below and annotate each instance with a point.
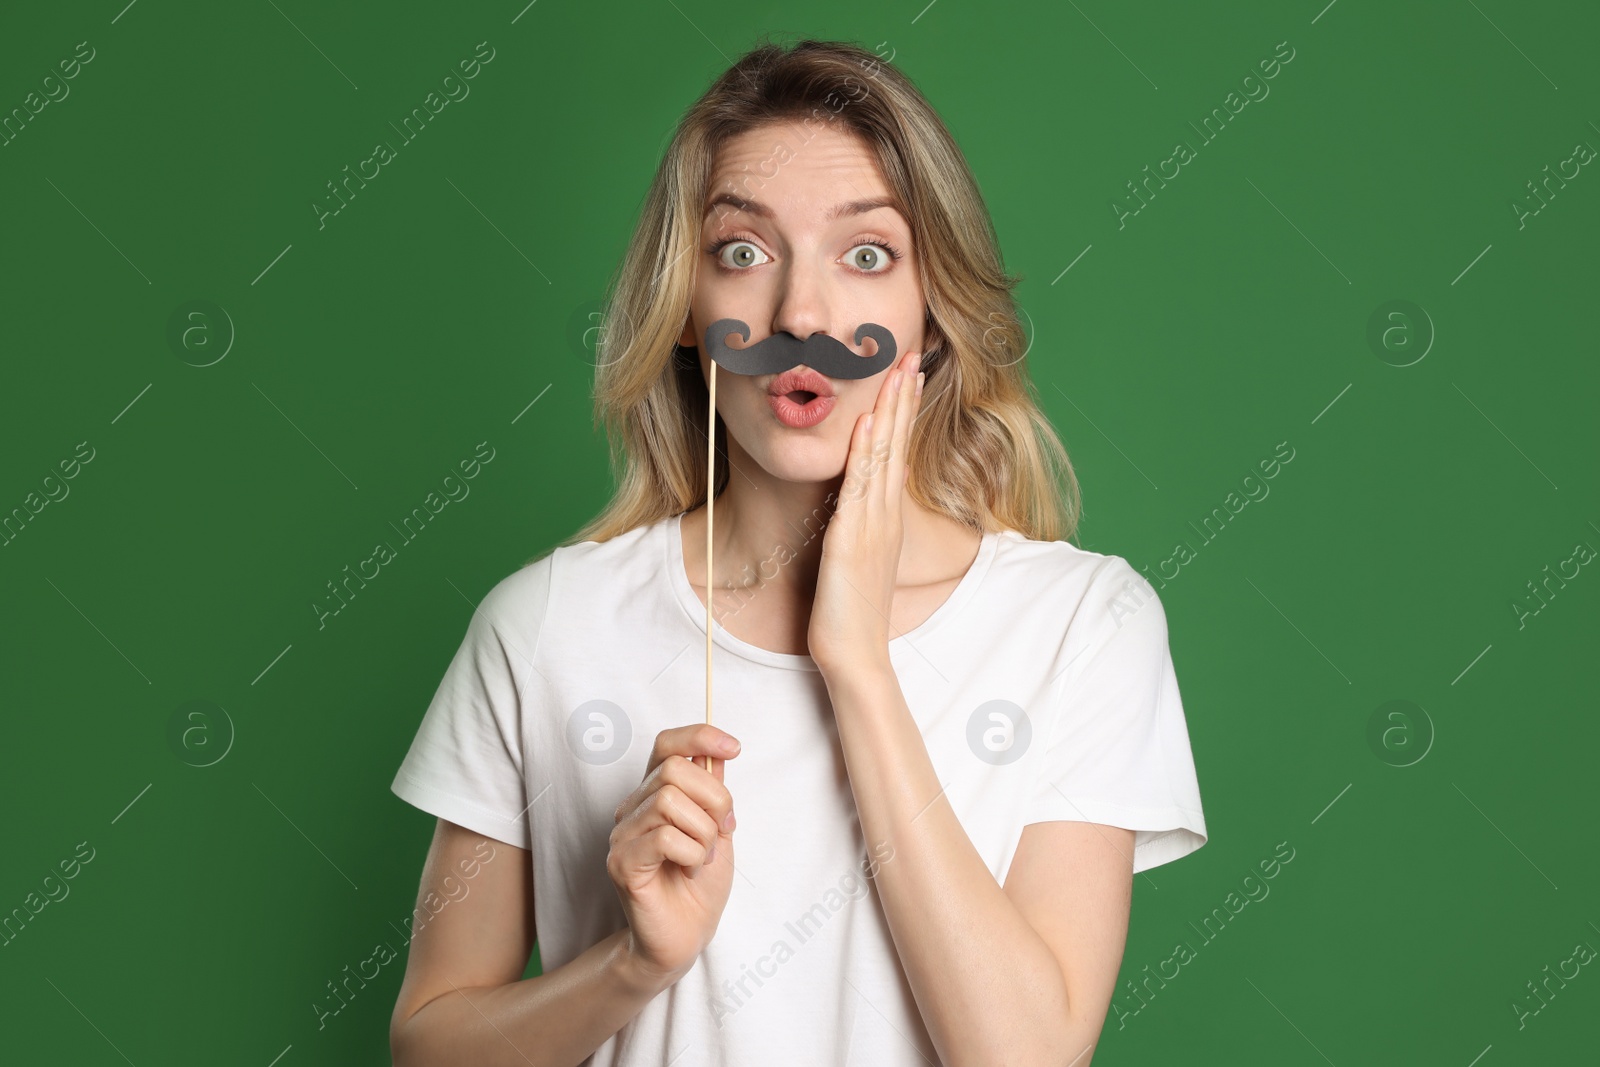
(670, 533)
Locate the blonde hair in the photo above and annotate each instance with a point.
(983, 451)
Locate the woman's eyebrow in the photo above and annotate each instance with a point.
(839, 211)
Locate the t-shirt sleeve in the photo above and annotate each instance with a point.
(1118, 751)
(465, 763)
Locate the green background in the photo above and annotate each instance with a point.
(1185, 343)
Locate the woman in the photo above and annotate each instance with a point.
(958, 735)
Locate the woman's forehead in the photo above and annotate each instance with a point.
(880, 208)
(782, 163)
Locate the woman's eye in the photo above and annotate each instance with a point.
(871, 258)
(740, 254)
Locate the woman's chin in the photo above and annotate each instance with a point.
(789, 459)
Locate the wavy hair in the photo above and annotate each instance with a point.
(982, 451)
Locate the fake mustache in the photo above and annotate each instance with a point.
(781, 351)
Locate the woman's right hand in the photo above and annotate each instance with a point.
(671, 858)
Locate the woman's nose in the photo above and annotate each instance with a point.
(804, 305)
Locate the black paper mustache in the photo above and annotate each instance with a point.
(776, 354)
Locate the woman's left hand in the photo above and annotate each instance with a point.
(861, 548)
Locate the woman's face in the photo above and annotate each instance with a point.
(803, 251)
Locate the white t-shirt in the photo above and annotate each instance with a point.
(1043, 687)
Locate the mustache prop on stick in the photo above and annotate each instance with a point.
(774, 355)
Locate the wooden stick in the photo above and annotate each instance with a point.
(711, 470)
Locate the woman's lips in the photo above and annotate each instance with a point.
(796, 415)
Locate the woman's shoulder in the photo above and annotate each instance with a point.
(1029, 561)
(1079, 596)
(520, 600)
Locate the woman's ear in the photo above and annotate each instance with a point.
(687, 338)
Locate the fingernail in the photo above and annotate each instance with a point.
(729, 744)
(728, 823)
(920, 377)
(868, 424)
(711, 855)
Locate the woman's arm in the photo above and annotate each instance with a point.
(1018, 975)
(464, 999)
